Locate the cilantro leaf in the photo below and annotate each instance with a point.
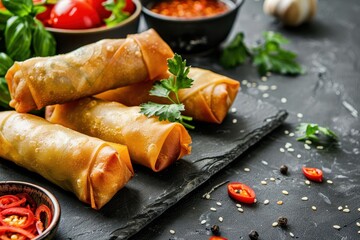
(164, 88)
(315, 133)
(235, 53)
(268, 56)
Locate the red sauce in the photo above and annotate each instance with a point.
(189, 8)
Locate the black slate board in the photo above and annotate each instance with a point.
(149, 194)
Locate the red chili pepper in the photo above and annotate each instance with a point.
(241, 192)
(217, 238)
(5, 231)
(43, 216)
(9, 201)
(313, 174)
(21, 213)
(29, 201)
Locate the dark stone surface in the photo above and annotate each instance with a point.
(328, 94)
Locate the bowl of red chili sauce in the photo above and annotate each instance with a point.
(27, 211)
(191, 26)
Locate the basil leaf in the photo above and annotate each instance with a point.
(18, 37)
(4, 16)
(19, 7)
(4, 94)
(5, 63)
(44, 43)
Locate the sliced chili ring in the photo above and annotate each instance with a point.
(20, 213)
(6, 231)
(241, 192)
(43, 214)
(9, 201)
(29, 200)
(313, 174)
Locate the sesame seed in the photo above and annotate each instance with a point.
(172, 231)
(213, 209)
(254, 84)
(299, 115)
(233, 110)
(273, 87)
(221, 219)
(291, 134)
(336, 227)
(329, 181)
(263, 182)
(285, 192)
(291, 149)
(313, 208)
(308, 142)
(272, 179)
(255, 200)
(359, 232)
(240, 209)
(320, 147)
(304, 198)
(282, 150)
(266, 202)
(244, 82)
(340, 208)
(359, 209)
(346, 210)
(283, 100)
(218, 203)
(288, 145)
(298, 156)
(207, 196)
(307, 182)
(291, 234)
(238, 205)
(265, 95)
(358, 224)
(268, 74)
(203, 222)
(263, 87)
(264, 162)
(234, 120)
(279, 202)
(247, 169)
(307, 147)
(286, 132)
(275, 224)
(248, 85)
(264, 78)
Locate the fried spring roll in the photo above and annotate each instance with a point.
(94, 170)
(94, 68)
(152, 143)
(208, 100)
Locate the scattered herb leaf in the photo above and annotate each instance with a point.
(314, 132)
(117, 13)
(268, 56)
(169, 88)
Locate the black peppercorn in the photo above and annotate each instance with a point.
(253, 235)
(283, 169)
(282, 221)
(215, 229)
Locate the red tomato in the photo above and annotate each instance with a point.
(241, 192)
(129, 6)
(74, 14)
(45, 16)
(313, 174)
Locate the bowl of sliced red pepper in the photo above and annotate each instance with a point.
(27, 211)
(75, 23)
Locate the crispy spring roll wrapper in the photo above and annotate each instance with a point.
(152, 143)
(94, 170)
(94, 68)
(208, 100)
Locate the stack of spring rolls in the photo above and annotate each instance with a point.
(94, 130)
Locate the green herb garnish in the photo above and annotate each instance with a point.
(314, 132)
(268, 56)
(117, 13)
(21, 36)
(169, 88)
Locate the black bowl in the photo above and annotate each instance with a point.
(193, 35)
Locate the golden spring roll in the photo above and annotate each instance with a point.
(94, 170)
(208, 100)
(94, 68)
(152, 143)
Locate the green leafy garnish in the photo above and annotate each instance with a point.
(268, 56)
(117, 13)
(21, 36)
(169, 88)
(315, 133)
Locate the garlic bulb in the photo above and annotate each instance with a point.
(291, 12)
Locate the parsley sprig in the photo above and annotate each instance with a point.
(169, 88)
(268, 55)
(315, 133)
